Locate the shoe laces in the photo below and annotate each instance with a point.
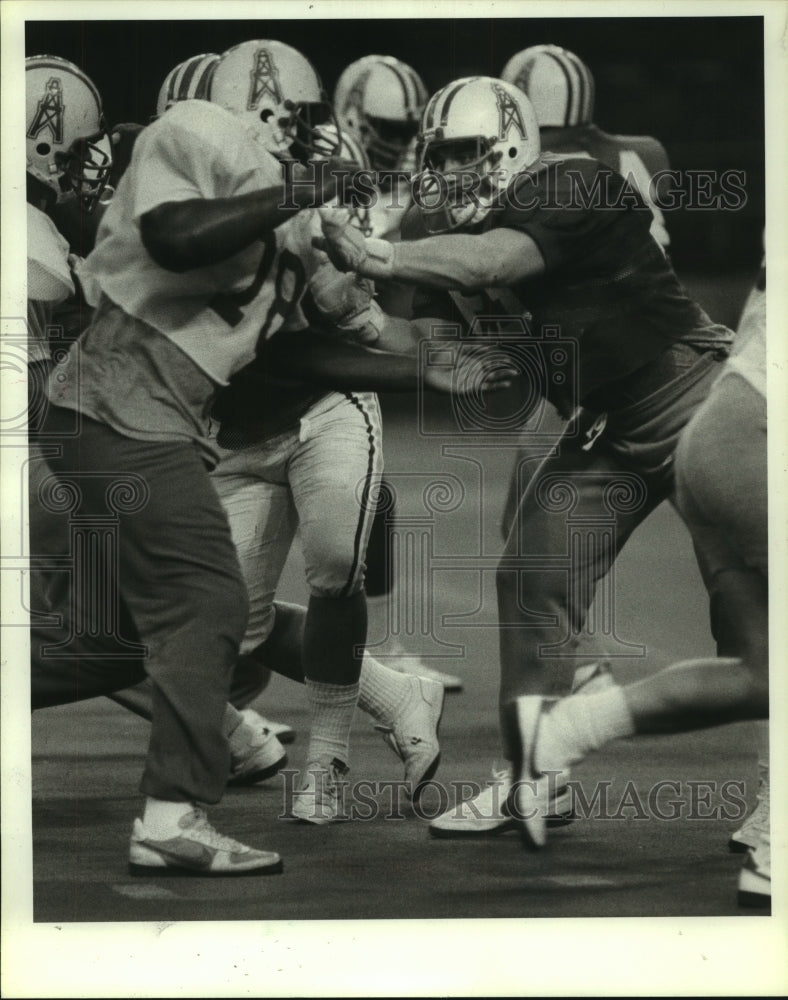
(501, 775)
(211, 837)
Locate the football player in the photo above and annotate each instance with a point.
(192, 271)
(498, 232)
(68, 170)
(725, 507)
(561, 90)
(380, 100)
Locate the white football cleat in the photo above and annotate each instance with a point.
(283, 732)
(413, 734)
(757, 823)
(755, 878)
(320, 799)
(197, 850)
(487, 814)
(406, 663)
(255, 753)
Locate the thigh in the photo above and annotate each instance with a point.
(721, 478)
(332, 477)
(576, 492)
(263, 524)
(175, 555)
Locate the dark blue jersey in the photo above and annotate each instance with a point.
(607, 285)
(639, 158)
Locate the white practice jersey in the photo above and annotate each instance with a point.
(49, 280)
(216, 314)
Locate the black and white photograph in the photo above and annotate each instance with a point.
(393, 546)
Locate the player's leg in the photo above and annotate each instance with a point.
(542, 610)
(178, 575)
(331, 476)
(725, 507)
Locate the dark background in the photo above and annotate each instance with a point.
(694, 83)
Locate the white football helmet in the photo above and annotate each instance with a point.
(558, 84)
(477, 134)
(68, 148)
(276, 91)
(188, 81)
(381, 99)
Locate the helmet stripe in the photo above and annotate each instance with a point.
(448, 101)
(576, 114)
(403, 82)
(429, 111)
(569, 88)
(189, 71)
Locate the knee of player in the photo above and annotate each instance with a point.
(228, 608)
(334, 572)
(324, 585)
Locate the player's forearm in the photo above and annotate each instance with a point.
(336, 365)
(198, 232)
(401, 336)
(464, 262)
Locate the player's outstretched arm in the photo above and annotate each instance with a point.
(335, 365)
(461, 261)
(182, 235)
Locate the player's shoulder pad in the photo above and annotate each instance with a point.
(549, 184)
(650, 150)
(207, 121)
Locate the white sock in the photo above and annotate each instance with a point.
(232, 725)
(332, 707)
(160, 818)
(382, 691)
(579, 724)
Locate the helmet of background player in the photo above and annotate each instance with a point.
(276, 91)
(381, 100)
(477, 134)
(187, 82)
(68, 149)
(557, 83)
(334, 142)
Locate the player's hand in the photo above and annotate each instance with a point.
(344, 244)
(346, 302)
(469, 368)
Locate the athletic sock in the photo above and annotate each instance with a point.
(383, 692)
(160, 818)
(233, 726)
(332, 707)
(579, 724)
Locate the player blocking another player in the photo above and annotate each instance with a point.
(510, 241)
(191, 262)
(186, 264)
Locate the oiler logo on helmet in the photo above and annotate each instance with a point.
(49, 113)
(264, 80)
(509, 114)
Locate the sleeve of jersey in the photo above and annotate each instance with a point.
(48, 273)
(562, 209)
(188, 154)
